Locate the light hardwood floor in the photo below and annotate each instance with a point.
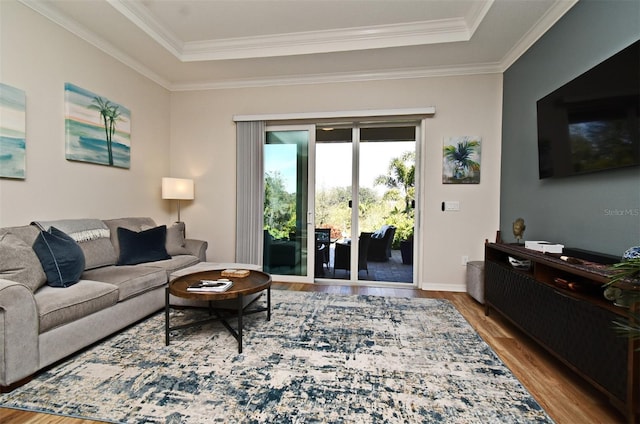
(566, 397)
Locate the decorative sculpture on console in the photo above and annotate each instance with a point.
(518, 229)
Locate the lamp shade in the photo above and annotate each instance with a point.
(177, 188)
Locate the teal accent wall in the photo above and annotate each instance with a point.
(600, 211)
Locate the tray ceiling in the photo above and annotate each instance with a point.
(184, 44)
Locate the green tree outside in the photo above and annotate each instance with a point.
(394, 207)
(279, 207)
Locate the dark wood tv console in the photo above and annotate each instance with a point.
(561, 306)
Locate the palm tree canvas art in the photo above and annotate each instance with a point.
(98, 130)
(461, 160)
(12, 132)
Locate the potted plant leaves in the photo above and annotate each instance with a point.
(623, 289)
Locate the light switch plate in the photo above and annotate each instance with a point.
(451, 205)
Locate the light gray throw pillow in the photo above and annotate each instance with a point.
(19, 262)
(175, 240)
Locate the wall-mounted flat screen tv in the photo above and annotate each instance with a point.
(592, 123)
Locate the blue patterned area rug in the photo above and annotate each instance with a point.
(321, 358)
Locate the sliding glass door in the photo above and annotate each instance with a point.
(339, 202)
(365, 199)
(333, 200)
(287, 217)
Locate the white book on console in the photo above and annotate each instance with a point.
(543, 246)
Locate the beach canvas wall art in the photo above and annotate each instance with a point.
(13, 127)
(98, 130)
(461, 160)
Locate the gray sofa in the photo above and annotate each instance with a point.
(40, 324)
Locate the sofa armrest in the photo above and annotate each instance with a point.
(19, 328)
(197, 248)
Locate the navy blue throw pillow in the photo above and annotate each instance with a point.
(61, 257)
(145, 246)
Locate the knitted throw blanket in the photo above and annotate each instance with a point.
(78, 229)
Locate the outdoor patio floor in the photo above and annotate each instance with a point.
(392, 271)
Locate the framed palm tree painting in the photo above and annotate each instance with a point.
(97, 129)
(461, 160)
(13, 126)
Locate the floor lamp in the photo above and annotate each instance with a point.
(177, 189)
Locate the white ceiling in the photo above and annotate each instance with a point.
(200, 44)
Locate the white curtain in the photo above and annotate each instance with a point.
(249, 191)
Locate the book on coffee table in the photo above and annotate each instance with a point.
(209, 286)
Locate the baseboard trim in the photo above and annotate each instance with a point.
(444, 287)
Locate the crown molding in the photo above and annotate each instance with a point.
(548, 20)
(139, 16)
(477, 12)
(345, 77)
(327, 41)
(307, 42)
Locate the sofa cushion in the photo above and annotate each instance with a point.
(99, 252)
(61, 257)
(130, 280)
(175, 263)
(19, 262)
(58, 307)
(143, 246)
(176, 243)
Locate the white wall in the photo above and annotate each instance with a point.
(38, 57)
(203, 146)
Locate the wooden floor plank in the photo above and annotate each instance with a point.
(566, 397)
